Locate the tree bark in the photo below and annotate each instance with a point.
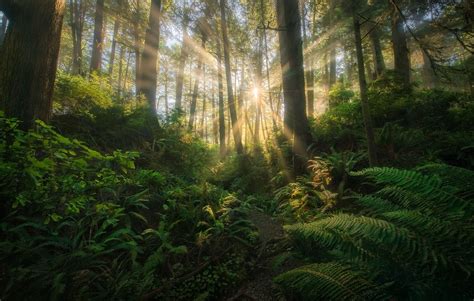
(98, 42)
(77, 14)
(136, 38)
(291, 60)
(400, 49)
(199, 73)
(182, 63)
(149, 62)
(114, 47)
(215, 123)
(267, 67)
(429, 76)
(379, 62)
(203, 115)
(363, 90)
(222, 144)
(230, 94)
(258, 96)
(309, 76)
(166, 91)
(332, 52)
(29, 58)
(120, 72)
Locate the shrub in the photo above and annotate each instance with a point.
(80, 95)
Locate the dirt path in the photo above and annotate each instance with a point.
(272, 245)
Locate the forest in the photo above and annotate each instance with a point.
(237, 150)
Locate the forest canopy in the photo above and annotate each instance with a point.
(236, 149)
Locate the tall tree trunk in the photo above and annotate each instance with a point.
(203, 115)
(166, 91)
(114, 47)
(230, 94)
(291, 60)
(149, 62)
(267, 67)
(309, 71)
(199, 72)
(77, 14)
(29, 57)
(332, 51)
(241, 100)
(98, 42)
(400, 49)
(258, 96)
(182, 63)
(136, 38)
(120, 75)
(363, 90)
(222, 145)
(428, 74)
(215, 123)
(379, 62)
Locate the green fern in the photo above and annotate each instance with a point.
(417, 232)
(330, 281)
(460, 178)
(437, 196)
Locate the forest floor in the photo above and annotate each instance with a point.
(273, 246)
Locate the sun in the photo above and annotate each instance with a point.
(255, 92)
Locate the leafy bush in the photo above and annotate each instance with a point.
(77, 94)
(76, 223)
(339, 94)
(169, 146)
(413, 240)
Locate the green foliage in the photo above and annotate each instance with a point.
(339, 94)
(169, 147)
(322, 190)
(411, 129)
(78, 94)
(329, 281)
(77, 223)
(340, 127)
(248, 173)
(414, 240)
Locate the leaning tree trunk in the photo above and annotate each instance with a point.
(428, 74)
(379, 62)
(291, 60)
(230, 94)
(363, 91)
(98, 42)
(148, 74)
(400, 49)
(29, 58)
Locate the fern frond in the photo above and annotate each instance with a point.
(460, 178)
(352, 234)
(430, 189)
(330, 281)
(375, 205)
